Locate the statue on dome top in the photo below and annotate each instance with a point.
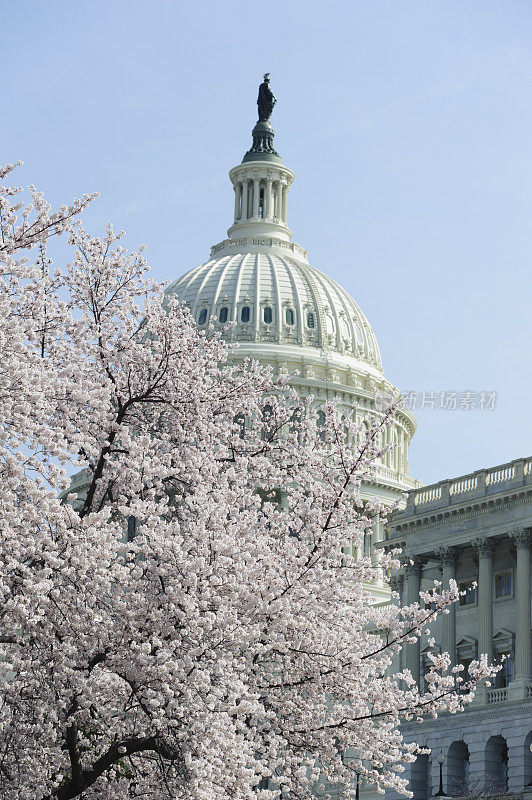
(265, 100)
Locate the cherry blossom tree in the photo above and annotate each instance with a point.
(191, 622)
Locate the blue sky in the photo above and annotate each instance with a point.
(408, 125)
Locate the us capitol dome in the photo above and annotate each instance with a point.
(287, 313)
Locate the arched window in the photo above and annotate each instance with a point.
(240, 422)
(244, 314)
(202, 319)
(295, 422)
(310, 320)
(496, 765)
(289, 316)
(268, 315)
(224, 311)
(345, 429)
(528, 759)
(344, 327)
(267, 414)
(458, 769)
(420, 778)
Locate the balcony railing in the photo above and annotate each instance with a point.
(496, 696)
(478, 484)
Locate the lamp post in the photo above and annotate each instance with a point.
(440, 760)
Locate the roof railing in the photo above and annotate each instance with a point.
(477, 484)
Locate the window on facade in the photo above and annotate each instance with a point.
(240, 422)
(289, 316)
(244, 314)
(503, 584)
(267, 413)
(131, 528)
(469, 598)
(295, 420)
(320, 422)
(202, 319)
(268, 315)
(465, 662)
(261, 204)
(504, 676)
(310, 320)
(224, 311)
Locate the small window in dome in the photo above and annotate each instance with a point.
(310, 320)
(261, 204)
(244, 314)
(202, 319)
(345, 329)
(223, 314)
(268, 315)
(289, 316)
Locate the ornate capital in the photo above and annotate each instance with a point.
(446, 555)
(483, 546)
(521, 538)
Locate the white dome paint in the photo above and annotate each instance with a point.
(287, 290)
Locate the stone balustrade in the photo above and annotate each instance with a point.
(473, 486)
(494, 696)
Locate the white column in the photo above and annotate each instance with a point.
(268, 199)
(413, 584)
(396, 585)
(376, 537)
(521, 538)
(237, 199)
(447, 557)
(283, 201)
(484, 548)
(256, 195)
(244, 212)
